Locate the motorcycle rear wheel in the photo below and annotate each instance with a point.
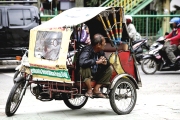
(14, 99)
(75, 103)
(149, 66)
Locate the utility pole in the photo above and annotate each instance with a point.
(165, 22)
(79, 3)
(38, 3)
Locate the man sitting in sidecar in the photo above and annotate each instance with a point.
(95, 65)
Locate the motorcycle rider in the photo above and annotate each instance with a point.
(130, 27)
(174, 39)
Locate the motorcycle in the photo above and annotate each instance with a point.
(53, 73)
(157, 59)
(140, 48)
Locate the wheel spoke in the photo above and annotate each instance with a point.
(16, 98)
(77, 100)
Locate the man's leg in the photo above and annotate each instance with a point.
(166, 63)
(88, 84)
(102, 77)
(86, 77)
(170, 53)
(179, 47)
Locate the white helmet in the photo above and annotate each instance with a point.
(128, 17)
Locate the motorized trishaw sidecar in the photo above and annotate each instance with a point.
(54, 72)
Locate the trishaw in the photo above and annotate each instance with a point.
(54, 75)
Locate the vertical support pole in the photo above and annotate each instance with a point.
(115, 23)
(121, 20)
(153, 24)
(79, 3)
(105, 28)
(146, 27)
(125, 5)
(109, 25)
(165, 23)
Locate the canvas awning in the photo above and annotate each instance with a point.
(72, 17)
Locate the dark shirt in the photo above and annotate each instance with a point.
(88, 58)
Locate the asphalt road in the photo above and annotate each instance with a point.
(158, 99)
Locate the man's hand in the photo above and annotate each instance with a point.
(104, 60)
(101, 60)
(167, 40)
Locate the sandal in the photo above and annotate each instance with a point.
(89, 94)
(99, 95)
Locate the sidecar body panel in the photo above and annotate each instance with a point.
(124, 65)
(48, 53)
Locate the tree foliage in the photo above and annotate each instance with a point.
(94, 3)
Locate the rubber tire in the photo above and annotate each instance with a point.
(112, 97)
(10, 98)
(68, 103)
(142, 67)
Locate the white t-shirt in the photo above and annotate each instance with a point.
(132, 31)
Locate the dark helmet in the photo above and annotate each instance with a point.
(175, 20)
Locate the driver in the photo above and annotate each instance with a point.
(174, 38)
(94, 64)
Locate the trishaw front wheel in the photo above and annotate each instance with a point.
(14, 99)
(123, 96)
(74, 103)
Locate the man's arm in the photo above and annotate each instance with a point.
(84, 59)
(169, 35)
(107, 61)
(177, 37)
(132, 31)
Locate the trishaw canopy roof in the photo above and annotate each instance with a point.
(73, 17)
(88, 15)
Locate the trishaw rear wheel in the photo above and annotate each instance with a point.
(14, 99)
(123, 96)
(74, 103)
